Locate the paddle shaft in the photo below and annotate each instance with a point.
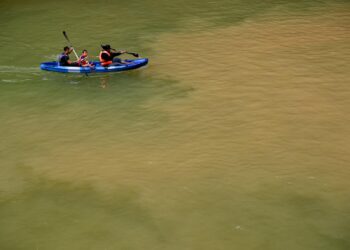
(130, 53)
(70, 44)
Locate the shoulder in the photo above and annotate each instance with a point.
(63, 57)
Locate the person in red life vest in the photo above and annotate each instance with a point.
(83, 60)
(63, 58)
(108, 57)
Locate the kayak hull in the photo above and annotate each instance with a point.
(132, 64)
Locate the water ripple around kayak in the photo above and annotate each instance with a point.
(16, 69)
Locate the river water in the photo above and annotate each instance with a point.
(235, 136)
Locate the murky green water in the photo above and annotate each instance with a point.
(236, 136)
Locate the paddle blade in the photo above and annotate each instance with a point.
(65, 35)
(134, 54)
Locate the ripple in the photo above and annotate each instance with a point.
(16, 69)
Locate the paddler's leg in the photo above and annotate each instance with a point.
(74, 64)
(118, 61)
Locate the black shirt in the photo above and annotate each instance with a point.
(110, 58)
(63, 59)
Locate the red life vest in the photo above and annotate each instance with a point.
(83, 61)
(105, 63)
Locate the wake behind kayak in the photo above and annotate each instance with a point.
(131, 64)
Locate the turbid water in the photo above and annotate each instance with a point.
(236, 136)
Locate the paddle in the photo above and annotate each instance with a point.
(130, 53)
(65, 35)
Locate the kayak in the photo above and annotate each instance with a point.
(131, 64)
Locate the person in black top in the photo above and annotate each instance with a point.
(108, 56)
(63, 59)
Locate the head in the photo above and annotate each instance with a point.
(106, 47)
(67, 50)
(84, 52)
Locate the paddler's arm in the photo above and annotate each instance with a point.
(69, 61)
(65, 60)
(118, 52)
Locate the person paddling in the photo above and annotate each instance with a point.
(63, 58)
(108, 58)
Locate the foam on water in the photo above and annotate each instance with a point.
(18, 70)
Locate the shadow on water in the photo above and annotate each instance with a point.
(288, 199)
(112, 81)
(132, 93)
(56, 215)
(98, 101)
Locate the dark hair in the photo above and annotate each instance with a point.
(84, 50)
(106, 46)
(65, 48)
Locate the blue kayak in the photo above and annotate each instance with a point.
(131, 64)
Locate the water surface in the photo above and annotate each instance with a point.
(236, 136)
